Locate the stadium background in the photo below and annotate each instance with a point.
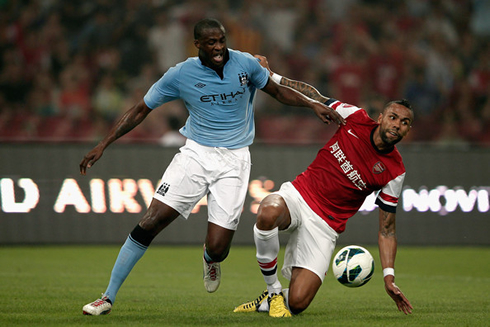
(69, 69)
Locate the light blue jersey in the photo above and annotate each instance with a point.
(220, 110)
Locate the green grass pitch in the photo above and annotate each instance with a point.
(48, 285)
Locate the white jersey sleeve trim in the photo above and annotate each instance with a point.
(344, 109)
(390, 193)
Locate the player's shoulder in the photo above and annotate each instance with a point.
(238, 54)
(397, 156)
(394, 163)
(347, 110)
(190, 66)
(241, 57)
(189, 63)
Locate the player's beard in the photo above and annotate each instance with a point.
(388, 138)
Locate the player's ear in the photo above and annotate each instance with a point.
(380, 117)
(196, 43)
(409, 128)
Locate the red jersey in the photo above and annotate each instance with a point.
(349, 168)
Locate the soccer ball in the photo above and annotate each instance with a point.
(353, 266)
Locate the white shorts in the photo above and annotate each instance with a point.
(312, 240)
(221, 174)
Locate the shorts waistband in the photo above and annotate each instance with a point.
(194, 145)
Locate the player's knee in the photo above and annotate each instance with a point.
(157, 217)
(297, 305)
(268, 213)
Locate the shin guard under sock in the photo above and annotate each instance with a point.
(267, 245)
(130, 253)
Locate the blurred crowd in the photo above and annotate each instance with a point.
(69, 69)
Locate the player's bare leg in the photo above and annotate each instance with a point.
(303, 287)
(216, 249)
(157, 217)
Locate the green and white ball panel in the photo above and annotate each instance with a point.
(353, 266)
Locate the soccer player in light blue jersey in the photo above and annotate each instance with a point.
(218, 89)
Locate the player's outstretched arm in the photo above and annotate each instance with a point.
(387, 252)
(131, 118)
(291, 96)
(302, 87)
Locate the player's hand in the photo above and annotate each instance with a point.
(328, 115)
(263, 62)
(396, 294)
(90, 158)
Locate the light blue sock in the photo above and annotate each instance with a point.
(129, 254)
(207, 257)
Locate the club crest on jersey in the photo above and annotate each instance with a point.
(243, 78)
(378, 168)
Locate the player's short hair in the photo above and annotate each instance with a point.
(205, 24)
(403, 102)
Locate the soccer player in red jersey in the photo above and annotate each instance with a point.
(359, 159)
